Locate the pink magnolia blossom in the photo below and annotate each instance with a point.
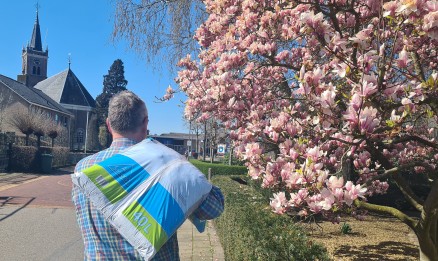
(368, 120)
(409, 6)
(314, 153)
(328, 199)
(362, 38)
(334, 182)
(390, 8)
(352, 192)
(403, 60)
(368, 88)
(338, 193)
(342, 70)
(252, 150)
(356, 102)
(278, 202)
(328, 97)
(431, 23)
(297, 199)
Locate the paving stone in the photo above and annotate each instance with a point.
(195, 246)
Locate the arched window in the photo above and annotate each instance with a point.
(38, 71)
(80, 136)
(34, 70)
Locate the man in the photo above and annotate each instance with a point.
(127, 122)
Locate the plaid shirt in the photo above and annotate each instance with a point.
(102, 241)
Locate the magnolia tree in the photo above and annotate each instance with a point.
(343, 93)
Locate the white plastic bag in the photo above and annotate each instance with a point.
(146, 192)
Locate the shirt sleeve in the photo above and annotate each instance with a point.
(212, 206)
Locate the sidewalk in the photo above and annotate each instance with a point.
(193, 245)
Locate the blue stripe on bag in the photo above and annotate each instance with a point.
(168, 213)
(126, 171)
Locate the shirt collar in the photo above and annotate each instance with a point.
(123, 142)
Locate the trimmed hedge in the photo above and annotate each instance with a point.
(27, 158)
(248, 230)
(219, 169)
(60, 155)
(24, 159)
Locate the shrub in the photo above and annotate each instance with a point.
(24, 159)
(219, 169)
(345, 228)
(234, 160)
(60, 156)
(248, 230)
(75, 157)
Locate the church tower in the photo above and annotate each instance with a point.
(34, 59)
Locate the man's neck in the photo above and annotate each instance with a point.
(127, 136)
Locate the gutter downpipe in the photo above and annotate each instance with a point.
(86, 134)
(70, 139)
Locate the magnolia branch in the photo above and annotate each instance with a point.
(404, 187)
(347, 142)
(387, 210)
(417, 66)
(393, 171)
(417, 139)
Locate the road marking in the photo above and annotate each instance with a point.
(69, 184)
(5, 187)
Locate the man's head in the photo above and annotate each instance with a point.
(127, 116)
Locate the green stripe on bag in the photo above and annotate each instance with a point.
(146, 224)
(112, 190)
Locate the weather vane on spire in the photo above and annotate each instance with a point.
(69, 60)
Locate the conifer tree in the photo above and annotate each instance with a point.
(114, 82)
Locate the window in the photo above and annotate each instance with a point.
(34, 70)
(38, 71)
(80, 136)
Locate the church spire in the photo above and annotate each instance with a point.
(34, 59)
(35, 42)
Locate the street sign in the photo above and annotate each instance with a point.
(221, 149)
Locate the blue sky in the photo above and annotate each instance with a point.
(83, 28)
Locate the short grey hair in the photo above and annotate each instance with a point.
(126, 112)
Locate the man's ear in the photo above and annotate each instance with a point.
(109, 126)
(145, 124)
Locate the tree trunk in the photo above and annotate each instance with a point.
(205, 141)
(53, 142)
(27, 139)
(230, 159)
(427, 240)
(428, 248)
(211, 154)
(427, 227)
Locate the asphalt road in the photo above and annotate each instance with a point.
(37, 219)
